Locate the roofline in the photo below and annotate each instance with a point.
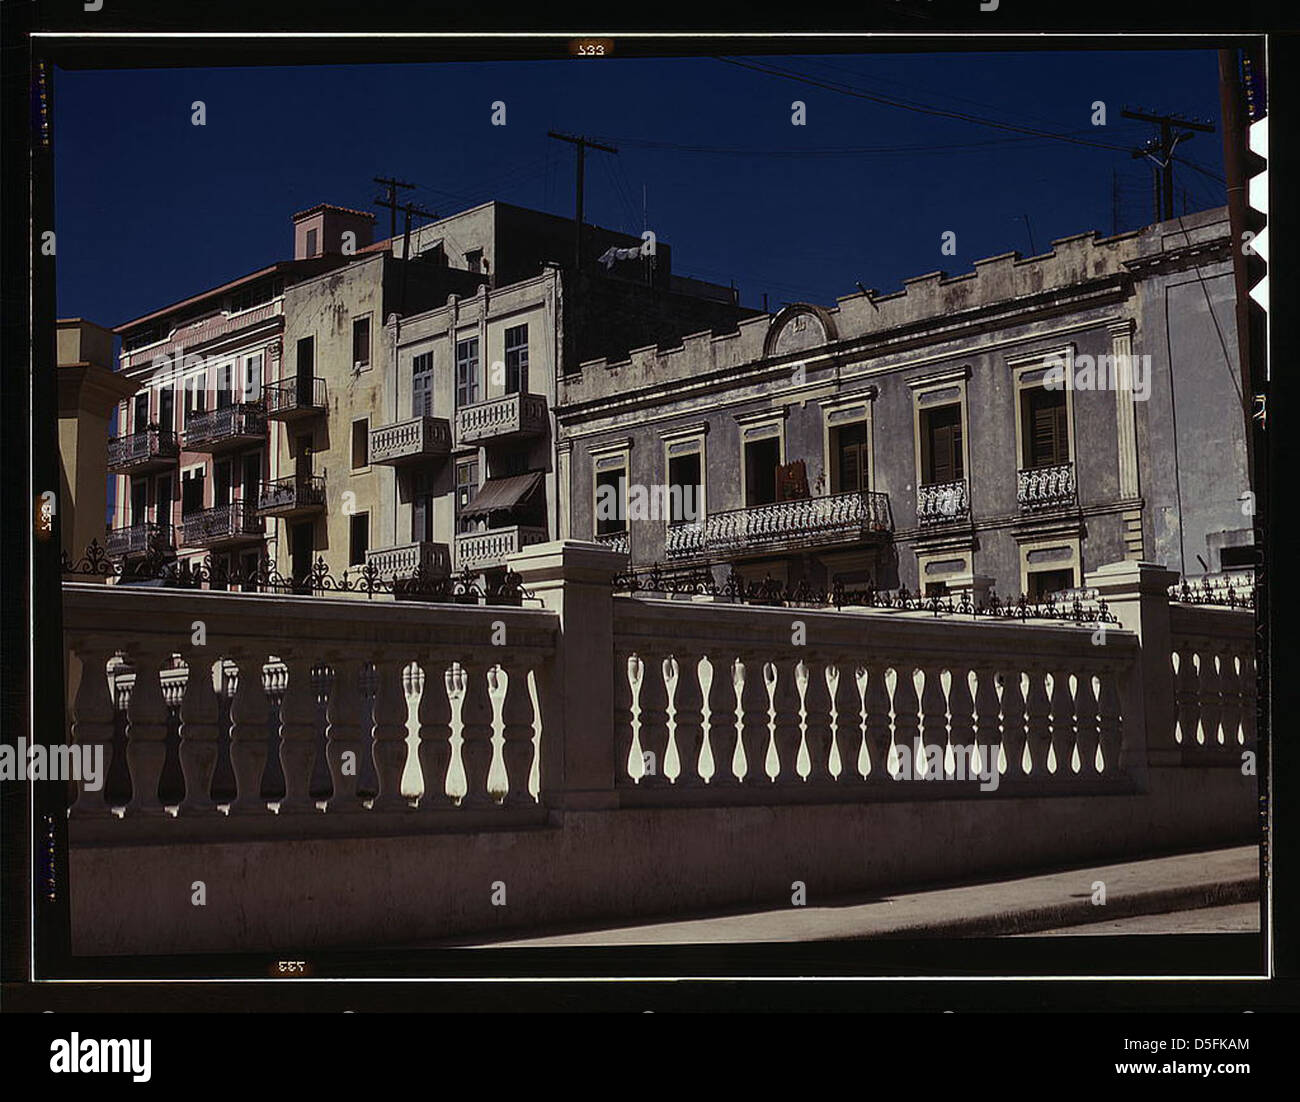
(334, 206)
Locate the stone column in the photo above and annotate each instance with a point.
(574, 579)
(1121, 337)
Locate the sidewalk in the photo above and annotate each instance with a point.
(1054, 901)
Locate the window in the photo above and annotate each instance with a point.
(422, 385)
(222, 473)
(359, 539)
(517, 360)
(1043, 582)
(361, 443)
(1044, 427)
(225, 385)
(466, 490)
(162, 512)
(421, 506)
(306, 365)
(253, 378)
(196, 396)
(467, 380)
(256, 294)
(300, 548)
(251, 477)
(312, 237)
(684, 482)
(192, 492)
(474, 260)
(167, 409)
(141, 412)
(361, 342)
(850, 452)
(139, 500)
(941, 446)
(762, 457)
(610, 507)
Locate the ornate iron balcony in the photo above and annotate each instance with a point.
(152, 449)
(410, 441)
(140, 539)
(222, 429)
(1046, 487)
(291, 496)
(834, 520)
(942, 503)
(291, 399)
(499, 419)
(223, 524)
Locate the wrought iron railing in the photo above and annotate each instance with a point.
(138, 539)
(615, 541)
(222, 522)
(148, 445)
(1232, 591)
(1046, 487)
(942, 503)
(292, 492)
(294, 396)
(214, 426)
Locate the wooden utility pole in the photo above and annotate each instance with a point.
(580, 143)
(1160, 151)
(390, 201)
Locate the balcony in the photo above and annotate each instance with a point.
(481, 550)
(221, 526)
(140, 539)
(429, 559)
(294, 399)
(291, 497)
(404, 442)
(1039, 488)
(501, 419)
(615, 541)
(837, 520)
(220, 430)
(143, 452)
(942, 503)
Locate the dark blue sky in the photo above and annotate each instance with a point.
(151, 209)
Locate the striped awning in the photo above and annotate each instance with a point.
(502, 493)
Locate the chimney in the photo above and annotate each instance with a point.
(324, 230)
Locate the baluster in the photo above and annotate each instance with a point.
(517, 733)
(654, 718)
(1249, 695)
(1110, 727)
(297, 735)
(435, 733)
(961, 709)
(934, 724)
(1038, 710)
(476, 734)
(1208, 696)
(988, 733)
(199, 718)
(819, 734)
(1014, 731)
(92, 725)
(343, 734)
(723, 730)
(782, 680)
(688, 703)
(755, 730)
(1186, 696)
(1089, 731)
(249, 717)
(388, 740)
(846, 720)
(624, 732)
(146, 747)
(907, 725)
(1230, 696)
(876, 728)
(1062, 722)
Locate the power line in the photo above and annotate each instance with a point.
(836, 151)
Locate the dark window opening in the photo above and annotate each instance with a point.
(517, 360)
(849, 448)
(422, 507)
(1045, 436)
(685, 486)
(361, 342)
(466, 491)
(610, 516)
(139, 500)
(941, 446)
(167, 409)
(141, 421)
(467, 380)
(474, 260)
(312, 237)
(221, 482)
(1043, 582)
(422, 385)
(360, 444)
(192, 493)
(358, 539)
(300, 540)
(306, 366)
(762, 458)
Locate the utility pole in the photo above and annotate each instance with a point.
(410, 208)
(390, 201)
(581, 144)
(1160, 151)
(1114, 203)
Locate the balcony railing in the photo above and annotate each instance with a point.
(221, 429)
(942, 503)
(479, 550)
(425, 557)
(140, 452)
(294, 398)
(411, 441)
(500, 419)
(833, 520)
(615, 541)
(291, 496)
(233, 523)
(1046, 487)
(140, 539)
